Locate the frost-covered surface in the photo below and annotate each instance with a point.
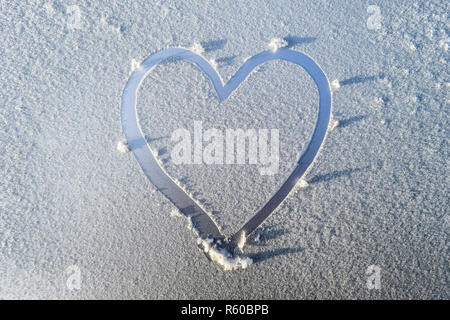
(377, 195)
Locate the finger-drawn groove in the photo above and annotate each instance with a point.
(204, 223)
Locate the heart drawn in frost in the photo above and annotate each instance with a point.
(202, 222)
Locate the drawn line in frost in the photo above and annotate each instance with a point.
(220, 248)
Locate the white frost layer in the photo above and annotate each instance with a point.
(223, 257)
(277, 43)
(123, 147)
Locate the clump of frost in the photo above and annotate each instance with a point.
(335, 85)
(302, 183)
(190, 226)
(242, 240)
(175, 213)
(411, 46)
(134, 65)
(123, 147)
(222, 257)
(334, 124)
(213, 63)
(197, 48)
(277, 43)
(257, 237)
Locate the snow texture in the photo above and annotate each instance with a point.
(379, 190)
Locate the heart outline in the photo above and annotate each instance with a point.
(204, 224)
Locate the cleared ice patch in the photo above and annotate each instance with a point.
(277, 43)
(222, 257)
